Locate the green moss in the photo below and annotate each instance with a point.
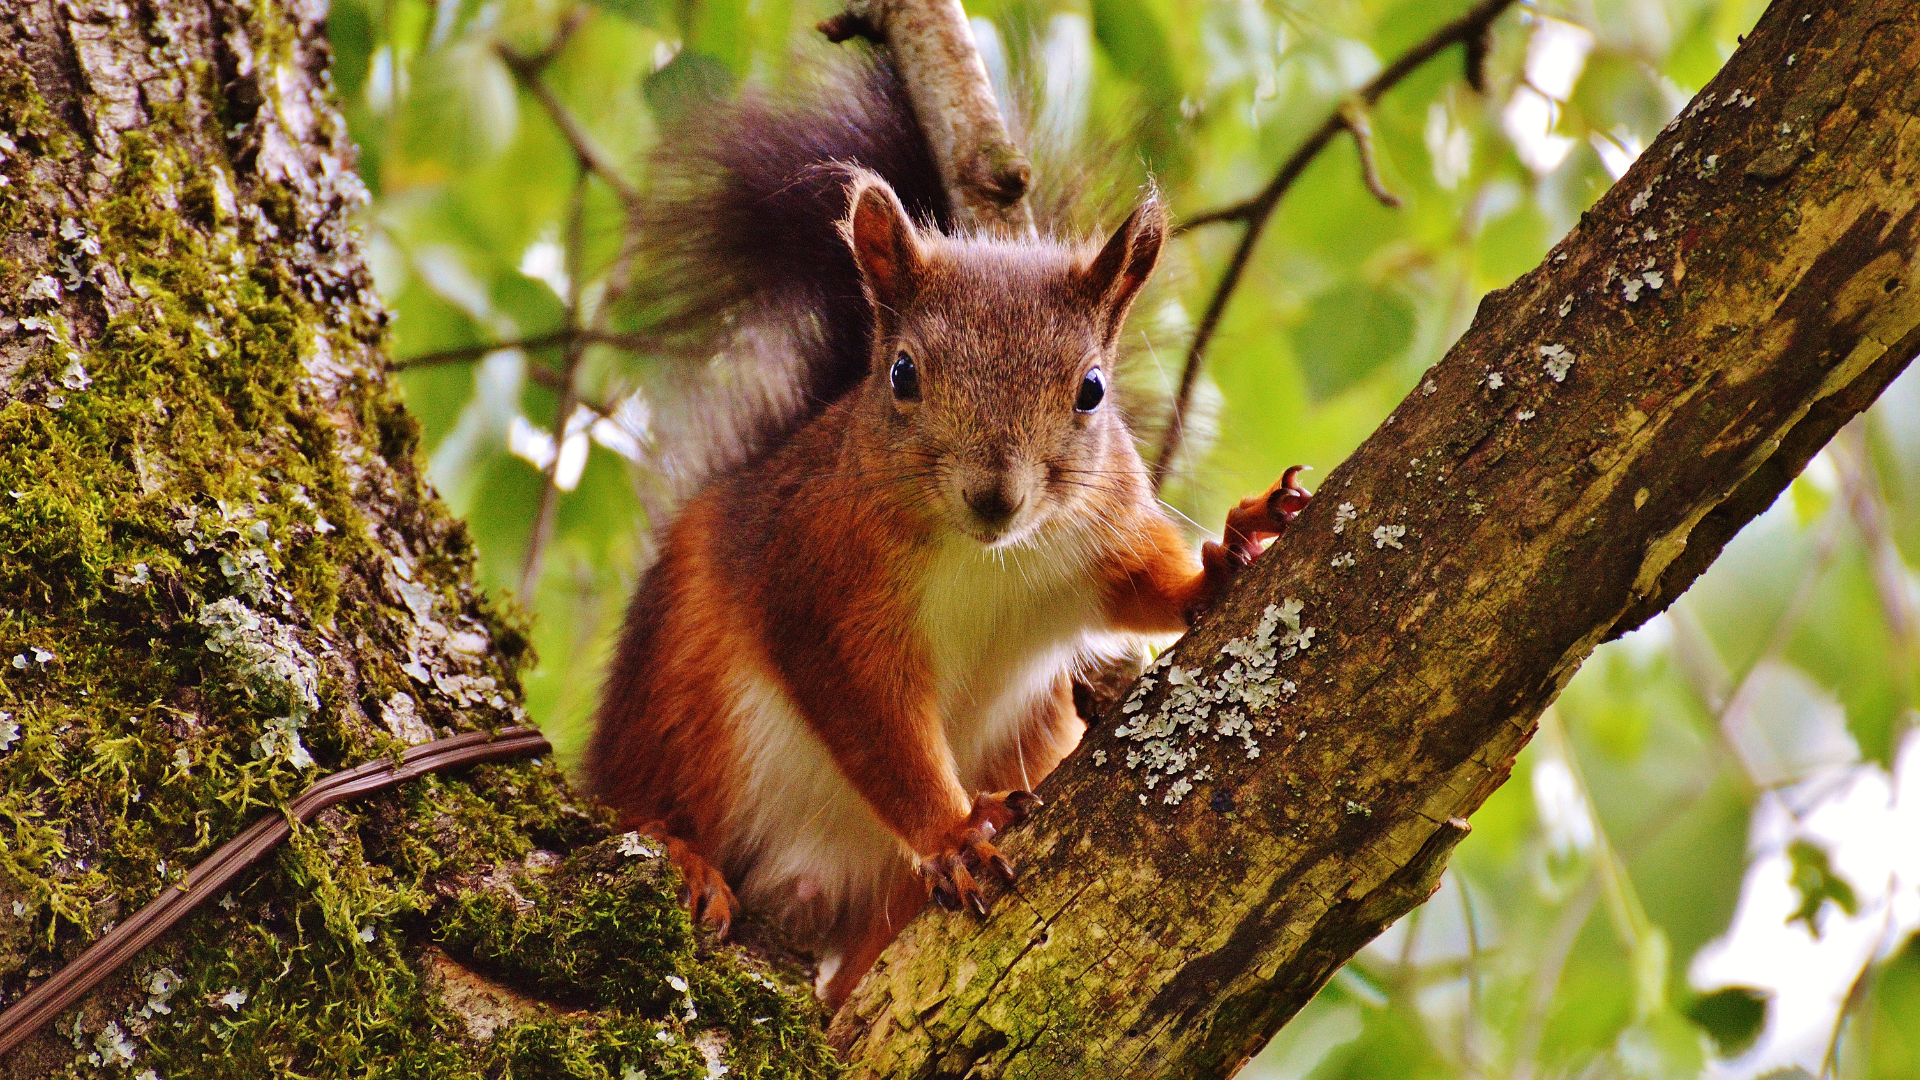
(189, 583)
(592, 1048)
(603, 929)
(33, 132)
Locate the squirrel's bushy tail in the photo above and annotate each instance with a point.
(740, 253)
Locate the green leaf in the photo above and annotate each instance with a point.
(691, 81)
(463, 109)
(352, 32)
(1349, 333)
(1810, 500)
(1813, 878)
(644, 12)
(1732, 1017)
(1695, 59)
(1893, 1025)
(1137, 37)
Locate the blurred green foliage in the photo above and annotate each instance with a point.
(1726, 758)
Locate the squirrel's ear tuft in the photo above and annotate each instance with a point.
(1115, 276)
(885, 244)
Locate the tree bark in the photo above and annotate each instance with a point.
(222, 573)
(1582, 453)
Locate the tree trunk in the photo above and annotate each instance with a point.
(1582, 453)
(222, 573)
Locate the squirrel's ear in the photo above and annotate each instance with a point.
(885, 245)
(1115, 276)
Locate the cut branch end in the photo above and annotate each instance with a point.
(846, 26)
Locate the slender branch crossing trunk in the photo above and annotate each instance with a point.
(1582, 453)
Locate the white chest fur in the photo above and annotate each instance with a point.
(999, 627)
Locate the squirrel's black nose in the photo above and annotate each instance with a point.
(992, 506)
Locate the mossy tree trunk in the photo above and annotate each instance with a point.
(1578, 458)
(221, 574)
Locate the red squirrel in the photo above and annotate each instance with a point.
(851, 662)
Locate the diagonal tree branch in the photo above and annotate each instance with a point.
(530, 72)
(1471, 29)
(1749, 286)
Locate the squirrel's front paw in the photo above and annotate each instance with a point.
(1261, 516)
(967, 850)
(1257, 518)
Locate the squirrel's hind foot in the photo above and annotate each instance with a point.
(704, 890)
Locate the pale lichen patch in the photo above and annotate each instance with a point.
(1558, 361)
(1201, 707)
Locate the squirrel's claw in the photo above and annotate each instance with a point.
(703, 889)
(1265, 515)
(708, 897)
(950, 873)
(711, 903)
(1256, 519)
(1001, 810)
(1022, 804)
(951, 883)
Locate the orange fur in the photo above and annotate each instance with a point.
(853, 657)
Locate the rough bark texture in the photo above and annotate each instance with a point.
(221, 573)
(1576, 460)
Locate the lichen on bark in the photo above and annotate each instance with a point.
(222, 574)
(1574, 462)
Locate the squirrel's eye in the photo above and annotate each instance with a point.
(1093, 389)
(905, 379)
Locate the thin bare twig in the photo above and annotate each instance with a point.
(206, 879)
(555, 339)
(468, 353)
(1255, 212)
(1239, 211)
(1354, 117)
(570, 24)
(1860, 989)
(1545, 984)
(1470, 1023)
(569, 396)
(529, 71)
(576, 336)
(555, 381)
(1866, 502)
